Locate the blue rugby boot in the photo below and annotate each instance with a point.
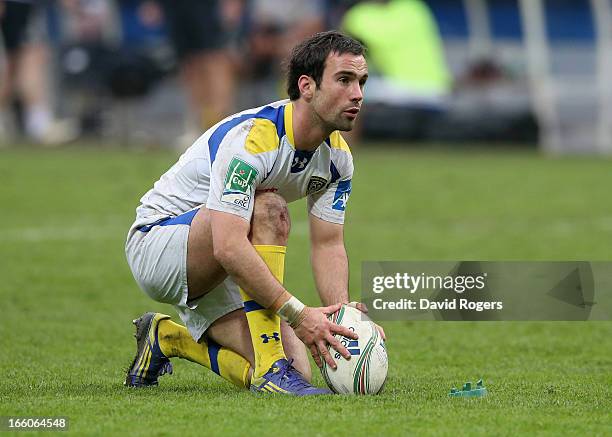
(284, 378)
(150, 362)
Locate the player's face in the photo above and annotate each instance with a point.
(337, 101)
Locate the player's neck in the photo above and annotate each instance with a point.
(308, 130)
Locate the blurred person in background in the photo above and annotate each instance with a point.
(200, 39)
(335, 10)
(113, 56)
(274, 27)
(410, 79)
(86, 34)
(89, 20)
(25, 77)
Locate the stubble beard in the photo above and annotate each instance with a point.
(342, 124)
(338, 123)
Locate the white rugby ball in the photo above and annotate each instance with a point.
(366, 371)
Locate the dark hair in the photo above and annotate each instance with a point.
(309, 57)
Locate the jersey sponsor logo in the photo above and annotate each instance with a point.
(238, 185)
(301, 158)
(315, 183)
(341, 195)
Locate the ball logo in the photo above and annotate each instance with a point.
(366, 371)
(351, 345)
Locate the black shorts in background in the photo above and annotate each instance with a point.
(14, 24)
(195, 25)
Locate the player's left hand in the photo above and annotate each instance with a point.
(364, 309)
(317, 332)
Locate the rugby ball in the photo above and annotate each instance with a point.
(366, 371)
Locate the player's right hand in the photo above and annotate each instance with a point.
(316, 331)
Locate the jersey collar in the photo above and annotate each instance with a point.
(289, 123)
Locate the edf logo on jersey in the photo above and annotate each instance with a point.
(341, 195)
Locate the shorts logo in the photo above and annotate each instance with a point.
(341, 195)
(238, 185)
(315, 183)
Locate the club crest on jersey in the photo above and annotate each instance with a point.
(315, 183)
(238, 185)
(341, 195)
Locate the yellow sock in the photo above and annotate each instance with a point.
(175, 341)
(264, 324)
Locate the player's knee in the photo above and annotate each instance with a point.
(270, 223)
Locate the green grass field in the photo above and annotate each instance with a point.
(67, 298)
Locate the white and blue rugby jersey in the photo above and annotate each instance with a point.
(249, 152)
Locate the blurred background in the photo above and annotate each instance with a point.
(159, 72)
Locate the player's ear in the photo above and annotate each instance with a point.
(306, 84)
